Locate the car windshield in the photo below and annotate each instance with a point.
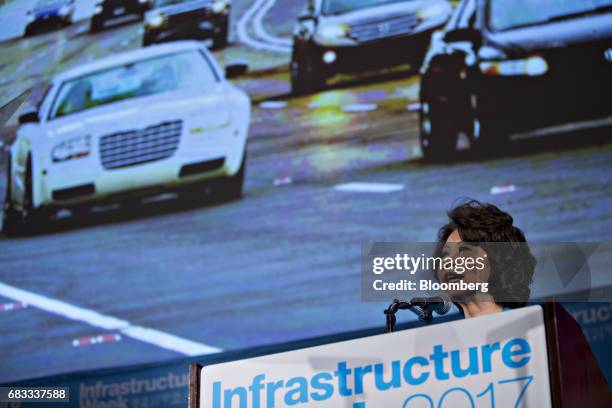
(163, 3)
(49, 3)
(507, 14)
(343, 6)
(156, 75)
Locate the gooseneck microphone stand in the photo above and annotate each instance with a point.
(424, 313)
(423, 307)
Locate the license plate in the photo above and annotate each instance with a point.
(118, 11)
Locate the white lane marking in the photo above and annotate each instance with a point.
(360, 187)
(261, 32)
(282, 181)
(503, 189)
(414, 107)
(93, 318)
(169, 341)
(359, 107)
(273, 104)
(245, 37)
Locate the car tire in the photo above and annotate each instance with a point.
(230, 188)
(11, 217)
(28, 31)
(437, 134)
(489, 138)
(33, 219)
(306, 75)
(146, 41)
(96, 24)
(220, 39)
(29, 219)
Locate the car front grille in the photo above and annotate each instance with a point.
(121, 3)
(377, 30)
(130, 148)
(189, 18)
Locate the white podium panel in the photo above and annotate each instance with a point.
(491, 361)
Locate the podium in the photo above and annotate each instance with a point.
(535, 356)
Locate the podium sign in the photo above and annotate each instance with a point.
(497, 361)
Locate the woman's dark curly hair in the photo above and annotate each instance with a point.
(512, 263)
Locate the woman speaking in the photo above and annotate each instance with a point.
(486, 233)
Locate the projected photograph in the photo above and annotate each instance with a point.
(185, 178)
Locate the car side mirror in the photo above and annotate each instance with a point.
(308, 12)
(464, 35)
(29, 117)
(306, 17)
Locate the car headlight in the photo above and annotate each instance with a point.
(155, 20)
(220, 6)
(143, 1)
(97, 9)
(332, 33)
(531, 66)
(432, 11)
(71, 149)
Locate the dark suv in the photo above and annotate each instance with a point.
(49, 12)
(187, 19)
(505, 68)
(348, 36)
(110, 9)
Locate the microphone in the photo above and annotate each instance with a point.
(423, 307)
(439, 304)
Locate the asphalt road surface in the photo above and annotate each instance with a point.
(177, 276)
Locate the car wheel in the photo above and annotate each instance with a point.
(146, 41)
(220, 38)
(28, 219)
(33, 219)
(11, 221)
(96, 24)
(11, 217)
(488, 137)
(306, 75)
(230, 188)
(437, 134)
(28, 31)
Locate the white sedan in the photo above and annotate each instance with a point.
(148, 119)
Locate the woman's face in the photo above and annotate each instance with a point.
(476, 271)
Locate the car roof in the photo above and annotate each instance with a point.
(127, 57)
(45, 3)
